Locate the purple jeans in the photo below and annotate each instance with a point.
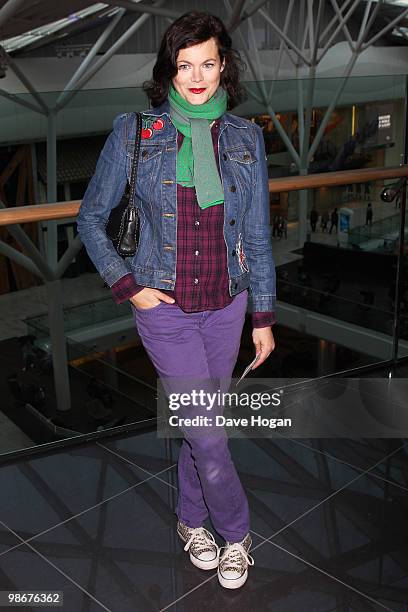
(201, 345)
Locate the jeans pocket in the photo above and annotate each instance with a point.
(140, 310)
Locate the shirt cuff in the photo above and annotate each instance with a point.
(125, 288)
(263, 319)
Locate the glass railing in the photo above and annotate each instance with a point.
(344, 273)
(381, 235)
(103, 394)
(359, 311)
(83, 315)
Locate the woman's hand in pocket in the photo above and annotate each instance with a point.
(149, 298)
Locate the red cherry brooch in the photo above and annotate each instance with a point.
(149, 125)
(158, 124)
(147, 132)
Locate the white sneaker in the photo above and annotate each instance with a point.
(233, 564)
(204, 551)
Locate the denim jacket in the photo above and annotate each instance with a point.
(246, 228)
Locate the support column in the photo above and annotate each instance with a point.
(58, 344)
(52, 228)
(54, 289)
(302, 215)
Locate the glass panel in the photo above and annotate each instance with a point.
(345, 273)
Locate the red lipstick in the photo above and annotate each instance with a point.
(197, 91)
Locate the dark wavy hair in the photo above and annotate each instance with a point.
(191, 29)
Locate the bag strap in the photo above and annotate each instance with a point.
(135, 162)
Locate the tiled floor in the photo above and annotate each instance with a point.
(328, 520)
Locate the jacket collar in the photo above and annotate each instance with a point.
(226, 118)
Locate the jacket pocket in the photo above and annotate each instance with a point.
(242, 162)
(147, 151)
(148, 167)
(242, 156)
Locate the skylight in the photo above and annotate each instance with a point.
(23, 40)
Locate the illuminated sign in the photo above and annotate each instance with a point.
(384, 121)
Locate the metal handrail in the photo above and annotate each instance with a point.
(62, 210)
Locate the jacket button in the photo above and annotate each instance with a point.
(233, 188)
(232, 222)
(144, 153)
(224, 156)
(233, 253)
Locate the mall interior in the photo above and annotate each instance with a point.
(88, 487)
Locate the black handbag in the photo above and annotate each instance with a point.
(123, 223)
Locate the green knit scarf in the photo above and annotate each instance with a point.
(196, 165)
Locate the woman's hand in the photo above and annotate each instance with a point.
(149, 298)
(264, 343)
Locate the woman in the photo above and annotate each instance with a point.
(204, 242)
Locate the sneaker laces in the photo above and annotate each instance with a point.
(234, 558)
(201, 541)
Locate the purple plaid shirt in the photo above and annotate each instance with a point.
(202, 271)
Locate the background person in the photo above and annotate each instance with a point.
(314, 217)
(369, 214)
(334, 219)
